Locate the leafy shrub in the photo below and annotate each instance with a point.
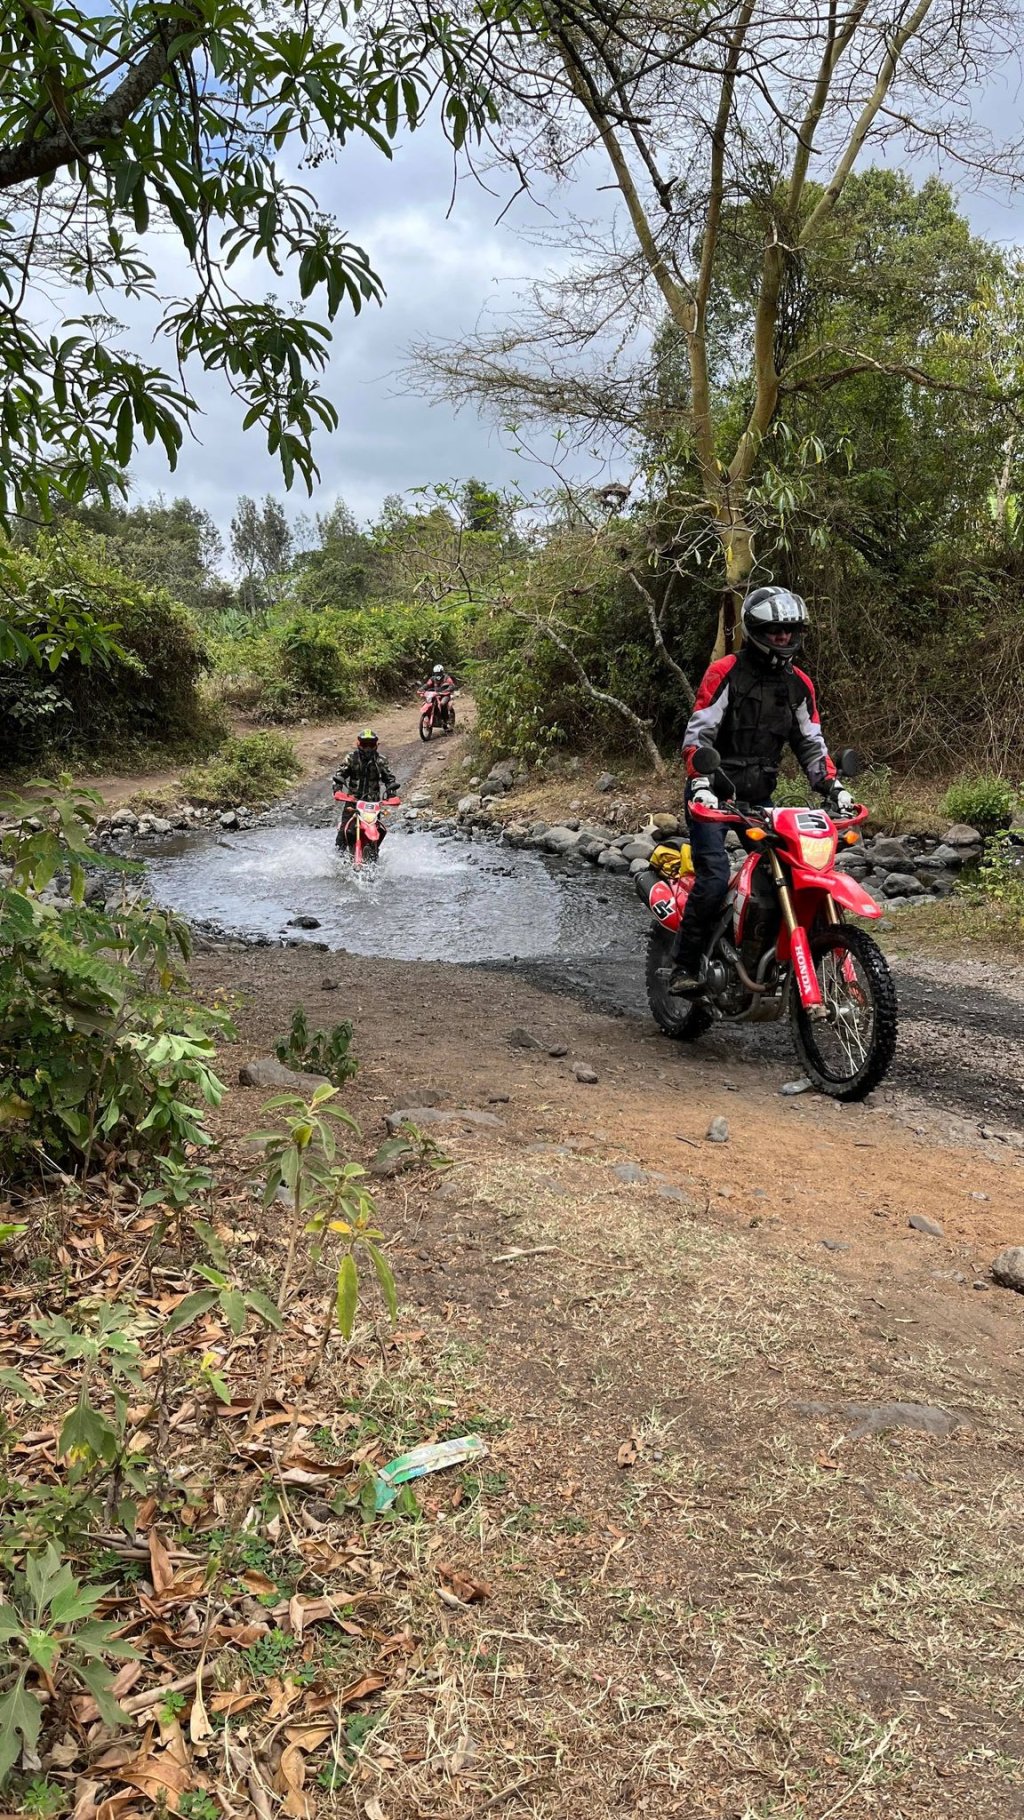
(338, 659)
(252, 769)
(143, 690)
(100, 1046)
(999, 883)
(326, 1052)
(48, 1629)
(986, 803)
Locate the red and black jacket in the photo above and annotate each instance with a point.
(750, 709)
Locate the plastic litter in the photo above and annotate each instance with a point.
(431, 1456)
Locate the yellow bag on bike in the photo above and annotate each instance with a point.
(673, 862)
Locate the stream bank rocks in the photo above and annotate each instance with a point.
(896, 870)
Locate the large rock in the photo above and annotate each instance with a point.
(494, 786)
(468, 805)
(890, 850)
(1008, 1268)
(902, 884)
(561, 840)
(590, 846)
(666, 823)
(611, 860)
(271, 1076)
(942, 857)
(432, 1115)
(962, 837)
(606, 783)
(640, 847)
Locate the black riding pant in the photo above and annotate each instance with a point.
(711, 883)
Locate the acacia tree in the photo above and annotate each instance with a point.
(718, 122)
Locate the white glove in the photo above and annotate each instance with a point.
(702, 794)
(840, 801)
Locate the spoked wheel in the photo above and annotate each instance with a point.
(850, 1049)
(449, 725)
(683, 1019)
(426, 725)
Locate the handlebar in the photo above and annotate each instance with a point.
(748, 813)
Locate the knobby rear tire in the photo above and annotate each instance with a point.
(683, 1019)
(873, 970)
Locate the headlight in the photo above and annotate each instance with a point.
(816, 852)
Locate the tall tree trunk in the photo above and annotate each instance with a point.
(739, 560)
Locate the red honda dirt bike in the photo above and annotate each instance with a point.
(782, 944)
(362, 826)
(439, 712)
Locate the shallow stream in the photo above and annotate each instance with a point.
(429, 896)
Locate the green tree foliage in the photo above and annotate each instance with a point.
(261, 545)
(184, 116)
(139, 688)
(175, 546)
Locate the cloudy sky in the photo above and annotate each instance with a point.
(444, 267)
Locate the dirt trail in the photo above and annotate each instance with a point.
(318, 745)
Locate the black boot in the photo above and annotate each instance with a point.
(684, 980)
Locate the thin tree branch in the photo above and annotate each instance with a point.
(663, 651)
(642, 727)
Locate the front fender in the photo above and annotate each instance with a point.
(838, 885)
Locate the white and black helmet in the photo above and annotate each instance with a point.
(775, 610)
(438, 673)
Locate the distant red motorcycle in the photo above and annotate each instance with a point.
(439, 712)
(783, 943)
(363, 825)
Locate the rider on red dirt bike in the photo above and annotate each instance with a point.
(748, 707)
(365, 773)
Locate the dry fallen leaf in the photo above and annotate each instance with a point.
(234, 1703)
(160, 1563)
(199, 1727)
(628, 1454)
(467, 1590)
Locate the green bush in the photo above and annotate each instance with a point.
(253, 769)
(145, 694)
(326, 1052)
(102, 1051)
(339, 659)
(986, 803)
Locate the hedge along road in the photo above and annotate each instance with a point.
(961, 1041)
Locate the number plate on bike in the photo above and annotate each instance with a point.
(813, 821)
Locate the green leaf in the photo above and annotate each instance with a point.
(385, 1278)
(347, 1295)
(232, 1304)
(20, 1719)
(191, 1308)
(86, 1435)
(100, 1681)
(265, 1308)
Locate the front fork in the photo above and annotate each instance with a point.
(800, 947)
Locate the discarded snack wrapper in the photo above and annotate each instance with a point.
(432, 1456)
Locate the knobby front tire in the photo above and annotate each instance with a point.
(849, 1051)
(683, 1019)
